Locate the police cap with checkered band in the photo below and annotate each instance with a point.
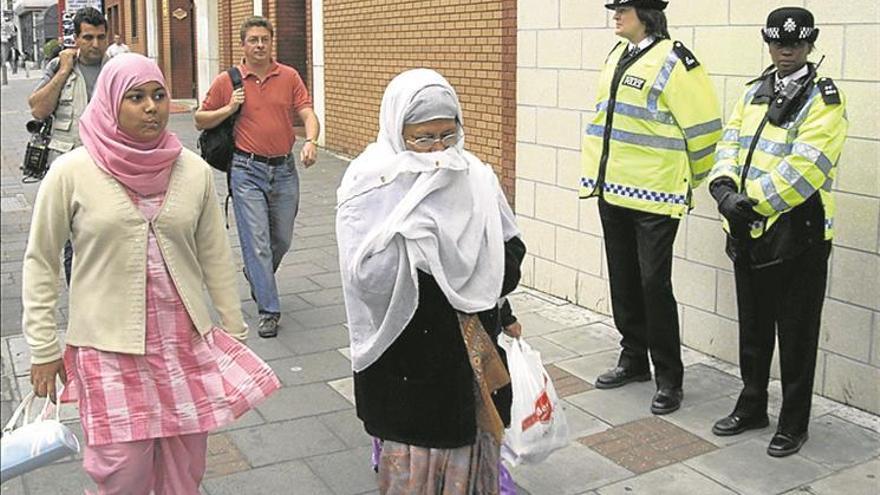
(790, 24)
(641, 4)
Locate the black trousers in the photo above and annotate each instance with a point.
(783, 301)
(638, 247)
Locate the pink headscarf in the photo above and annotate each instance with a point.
(143, 166)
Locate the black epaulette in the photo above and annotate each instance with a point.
(686, 56)
(612, 51)
(830, 94)
(769, 70)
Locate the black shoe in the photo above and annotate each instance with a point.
(735, 424)
(620, 376)
(785, 444)
(269, 326)
(666, 400)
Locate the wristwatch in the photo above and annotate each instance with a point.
(313, 141)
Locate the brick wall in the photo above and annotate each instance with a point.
(561, 47)
(231, 14)
(136, 44)
(366, 43)
(288, 20)
(164, 53)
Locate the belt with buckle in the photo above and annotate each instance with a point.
(269, 160)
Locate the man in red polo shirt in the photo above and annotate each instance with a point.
(265, 184)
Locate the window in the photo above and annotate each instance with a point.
(133, 15)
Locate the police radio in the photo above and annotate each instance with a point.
(36, 155)
(789, 98)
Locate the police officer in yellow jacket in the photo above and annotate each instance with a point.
(772, 179)
(651, 142)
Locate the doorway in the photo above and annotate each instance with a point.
(182, 36)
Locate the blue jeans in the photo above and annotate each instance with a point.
(265, 200)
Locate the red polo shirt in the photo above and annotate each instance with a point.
(265, 123)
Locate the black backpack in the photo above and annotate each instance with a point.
(218, 143)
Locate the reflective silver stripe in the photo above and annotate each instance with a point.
(750, 94)
(826, 186)
(727, 168)
(731, 135)
(773, 148)
(639, 139)
(702, 176)
(802, 115)
(798, 182)
(755, 173)
(649, 141)
(815, 156)
(700, 154)
(767, 146)
(773, 197)
(596, 130)
(638, 112)
(704, 128)
(662, 80)
(726, 154)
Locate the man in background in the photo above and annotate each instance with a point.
(66, 88)
(264, 180)
(117, 47)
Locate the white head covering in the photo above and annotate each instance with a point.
(399, 211)
(432, 103)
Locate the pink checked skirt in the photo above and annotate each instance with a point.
(184, 383)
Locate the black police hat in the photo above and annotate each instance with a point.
(787, 24)
(642, 4)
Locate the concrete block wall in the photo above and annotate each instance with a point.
(561, 46)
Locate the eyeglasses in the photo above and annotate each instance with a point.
(254, 40)
(425, 143)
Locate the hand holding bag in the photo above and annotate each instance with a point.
(34, 444)
(537, 421)
(217, 144)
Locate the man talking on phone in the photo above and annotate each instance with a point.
(66, 88)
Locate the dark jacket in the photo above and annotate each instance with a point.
(421, 390)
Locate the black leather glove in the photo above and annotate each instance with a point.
(735, 207)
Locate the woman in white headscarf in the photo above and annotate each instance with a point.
(428, 247)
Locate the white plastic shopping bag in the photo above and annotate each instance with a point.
(34, 444)
(537, 421)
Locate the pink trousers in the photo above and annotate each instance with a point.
(166, 466)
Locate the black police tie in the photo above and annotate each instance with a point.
(629, 55)
(780, 85)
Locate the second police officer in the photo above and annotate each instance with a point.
(650, 144)
(772, 179)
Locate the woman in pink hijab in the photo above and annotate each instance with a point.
(143, 358)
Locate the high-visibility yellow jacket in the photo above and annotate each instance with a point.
(657, 122)
(790, 163)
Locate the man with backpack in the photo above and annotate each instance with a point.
(263, 177)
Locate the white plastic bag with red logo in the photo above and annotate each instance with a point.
(537, 421)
